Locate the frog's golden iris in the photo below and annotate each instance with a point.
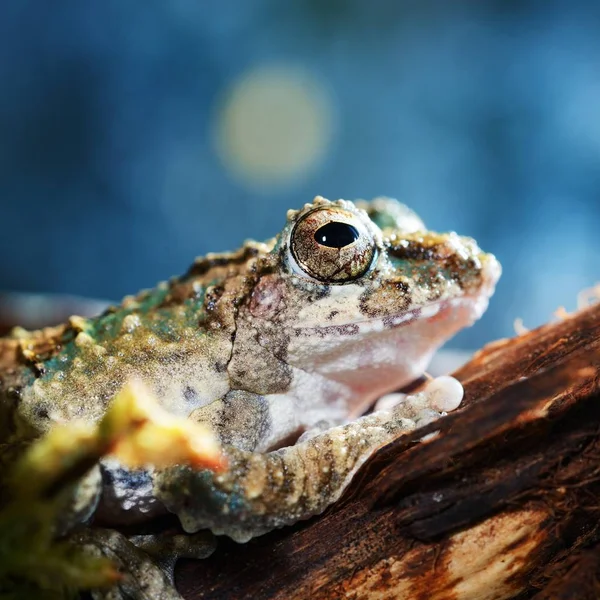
(333, 245)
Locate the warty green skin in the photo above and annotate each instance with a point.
(252, 344)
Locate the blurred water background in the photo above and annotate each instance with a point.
(135, 135)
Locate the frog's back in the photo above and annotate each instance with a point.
(176, 337)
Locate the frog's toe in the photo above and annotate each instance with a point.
(442, 395)
(445, 393)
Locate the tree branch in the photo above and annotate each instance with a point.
(502, 503)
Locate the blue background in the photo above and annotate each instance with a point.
(483, 116)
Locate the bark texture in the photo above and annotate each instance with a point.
(502, 503)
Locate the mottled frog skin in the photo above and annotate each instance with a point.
(297, 334)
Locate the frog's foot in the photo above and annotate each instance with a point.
(166, 549)
(264, 491)
(142, 578)
(442, 394)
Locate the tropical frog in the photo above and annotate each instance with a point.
(279, 347)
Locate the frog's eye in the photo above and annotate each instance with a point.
(332, 245)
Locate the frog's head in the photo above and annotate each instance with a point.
(363, 294)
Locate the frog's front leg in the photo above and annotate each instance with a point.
(241, 419)
(260, 492)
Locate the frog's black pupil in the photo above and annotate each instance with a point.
(336, 234)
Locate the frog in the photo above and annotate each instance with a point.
(281, 348)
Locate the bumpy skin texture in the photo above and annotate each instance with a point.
(263, 491)
(264, 343)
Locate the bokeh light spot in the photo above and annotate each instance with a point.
(274, 125)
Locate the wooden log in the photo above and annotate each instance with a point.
(501, 503)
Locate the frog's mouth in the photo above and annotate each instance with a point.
(376, 356)
(468, 308)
